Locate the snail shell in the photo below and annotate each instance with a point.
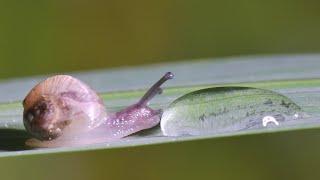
(62, 101)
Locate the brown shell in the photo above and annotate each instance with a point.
(86, 109)
(59, 84)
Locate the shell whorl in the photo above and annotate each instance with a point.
(60, 84)
(62, 101)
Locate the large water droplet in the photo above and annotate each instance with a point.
(226, 109)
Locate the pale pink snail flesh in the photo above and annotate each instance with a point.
(63, 111)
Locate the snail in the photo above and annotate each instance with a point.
(63, 111)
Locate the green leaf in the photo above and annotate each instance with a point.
(304, 92)
(288, 75)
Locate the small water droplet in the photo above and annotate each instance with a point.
(269, 119)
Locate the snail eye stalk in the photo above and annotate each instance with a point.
(155, 89)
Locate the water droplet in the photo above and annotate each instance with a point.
(269, 119)
(226, 109)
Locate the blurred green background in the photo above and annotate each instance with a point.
(40, 37)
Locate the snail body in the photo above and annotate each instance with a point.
(63, 111)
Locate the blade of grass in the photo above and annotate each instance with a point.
(12, 130)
